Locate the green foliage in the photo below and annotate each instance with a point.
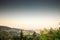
(25, 38)
(34, 34)
(16, 38)
(21, 35)
(3, 35)
(51, 34)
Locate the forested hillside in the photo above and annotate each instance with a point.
(51, 34)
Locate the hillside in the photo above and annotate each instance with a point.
(15, 31)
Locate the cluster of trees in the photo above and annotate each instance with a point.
(8, 36)
(52, 34)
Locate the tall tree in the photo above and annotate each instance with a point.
(21, 35)
(34, 36)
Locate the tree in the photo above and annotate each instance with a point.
(25, 38)
(16, 38)
(34, 36)
(21, 35)
(3, 35)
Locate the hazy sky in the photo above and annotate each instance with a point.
(30, 14)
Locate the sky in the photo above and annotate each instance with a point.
(30, 14)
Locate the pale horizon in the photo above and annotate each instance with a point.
(30, 15)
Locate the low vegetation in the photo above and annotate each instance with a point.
(51, 34)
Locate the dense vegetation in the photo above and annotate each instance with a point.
(51, 34)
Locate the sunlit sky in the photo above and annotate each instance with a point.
(30, 15)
